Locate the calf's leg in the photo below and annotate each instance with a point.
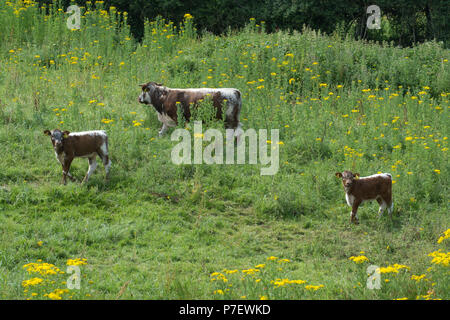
(354, 217)
(107, 164)
(66, 166)
(92, 166)
(382, 208)
(103, 153)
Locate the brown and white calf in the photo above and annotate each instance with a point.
(165, 100)
(85, 144)
(375, 187)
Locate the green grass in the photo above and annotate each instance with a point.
(157, 230)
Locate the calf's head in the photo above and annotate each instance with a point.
(151, 90)
(347, 179)
(57, 137)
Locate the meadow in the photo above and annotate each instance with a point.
(163, 231)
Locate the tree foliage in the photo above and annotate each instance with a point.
(405, 22)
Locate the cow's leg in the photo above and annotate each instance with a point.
(238, 133)
(163, 130)
(66, 166)
(92, 166)
(354, 217)
(391, 208)
(103, 154)
(107, 164)
(70, 177)
(382, 208)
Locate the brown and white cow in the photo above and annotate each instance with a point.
(165, 100)
(85, 144)
(375, 187)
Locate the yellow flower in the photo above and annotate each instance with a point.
(314, 288)
(41, 268)
(445, 236)
(392, 269)
(359, 259)
(440, 257)
(32, 282)
(417, 278)
(282, 282)
(283, 260)
(250, 271)
(76, 262)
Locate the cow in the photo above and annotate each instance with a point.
(375, 187)
(85, 144)
(165, 101)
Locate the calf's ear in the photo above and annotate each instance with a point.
(338, 174)
(142, 85)
(47, 132)
(356, 175)
(66, 134)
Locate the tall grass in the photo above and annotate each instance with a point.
(162, 229)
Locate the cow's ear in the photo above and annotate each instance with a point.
(356, 175)
(338, 174)
(158, 84)
(47, 132)
(142, 85)
(66, 134)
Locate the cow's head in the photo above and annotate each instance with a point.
(347, 179)
(151, 91)
(57, 137)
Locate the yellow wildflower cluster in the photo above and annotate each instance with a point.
(56, 295)
(31, 282)
(427, 296)
(349, 152)
(76, 262)
(392, 269)
(258, 277)
(42, 268)
(282, 282)
(250, 271)
(217, 276)
(230, 271)
(358, 259)
(440, 257)
(445, 236)
(314, 288)
(418, 278)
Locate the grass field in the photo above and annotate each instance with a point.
(162, 231)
